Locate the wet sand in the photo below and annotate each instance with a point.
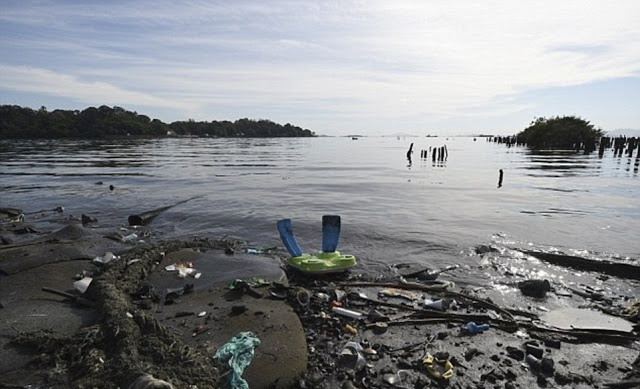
(47, 338)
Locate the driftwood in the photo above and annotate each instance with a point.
(617, 269)
(145, 218)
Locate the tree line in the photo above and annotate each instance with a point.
(566, 132)
(25, 123)
(562, 133)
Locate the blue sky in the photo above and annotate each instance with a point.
(335, 67)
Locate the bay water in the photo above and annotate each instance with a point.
(420, 212)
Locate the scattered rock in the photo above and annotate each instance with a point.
(238, 309)
(553, 343)
(515, 353)
(483, 249)
(534, 350)
(88, 219)
(546, 366)
(534, 288)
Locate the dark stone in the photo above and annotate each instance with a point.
(510, 375)
(238, 309)
(534, 288)
(553, 343)
(534, 350)
(561, 379)
(469, 354)
(483, 249)
(88, 220)
(546, 366)
(542, 381)
(515, 353)
(490, 377)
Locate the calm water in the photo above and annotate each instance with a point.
(426, 213)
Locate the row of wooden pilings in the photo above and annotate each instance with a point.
(439, 154)
(620, 145)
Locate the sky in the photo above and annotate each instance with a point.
(436, 67)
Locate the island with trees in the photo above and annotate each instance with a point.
(567, 132)
(25, 123)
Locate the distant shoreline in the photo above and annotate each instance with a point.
(106, 122)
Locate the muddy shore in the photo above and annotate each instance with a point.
(146, 320)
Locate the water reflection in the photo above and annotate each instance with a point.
(562, 163)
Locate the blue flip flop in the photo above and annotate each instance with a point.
(286, 234)
(330, 233)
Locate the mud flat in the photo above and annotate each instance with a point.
(141, 321)
(169, 331)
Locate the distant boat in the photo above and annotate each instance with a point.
(354, 138)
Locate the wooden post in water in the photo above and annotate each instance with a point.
(633, 143)
(603, 145)
(410, 152)
(500, 179)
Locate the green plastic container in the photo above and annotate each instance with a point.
(323, 262)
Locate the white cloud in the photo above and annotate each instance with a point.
(361, 60)
(27, 79)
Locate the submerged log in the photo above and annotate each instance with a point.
(145, 218)
(618, 269)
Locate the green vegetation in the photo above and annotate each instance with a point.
(567, 132)
(26, 123)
